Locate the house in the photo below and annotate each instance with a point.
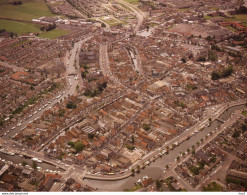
(49, 181)
(147, 182)
(237, 175)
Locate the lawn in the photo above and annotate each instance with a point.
(183, 9)
(231, 28)
(244, 113)
(241, 18)
(207, 17)
(213, 187)
(29, 10)
(134, 2)
(18, 27)
(53, 34)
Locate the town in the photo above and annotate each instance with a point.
(123, 95)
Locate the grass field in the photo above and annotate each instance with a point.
(53, 34)
(134, 2)
(207, 17)
(241, 18)
(18, 27)
(29, 10)
(183, 9)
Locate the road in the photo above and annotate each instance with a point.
(105, 65)
(139, 14)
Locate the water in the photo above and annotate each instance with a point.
(16, 159)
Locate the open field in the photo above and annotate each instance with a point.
(134, 2)
(29, 10)
(53, 34)
(241, 18)
(18, 27)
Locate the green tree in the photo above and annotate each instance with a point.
(215, 75)
(1, 122)
(146, 126)
(138, 168)
(158, 184)
(132, 139)
(71, 105)
(24, 163)
(90, 136)
(79, 146)
(34, 165)
(183, 60)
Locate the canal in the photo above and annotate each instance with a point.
(16, 159)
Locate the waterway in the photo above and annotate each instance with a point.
(16, 159)
(155, 169)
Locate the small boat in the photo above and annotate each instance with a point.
(36, 160)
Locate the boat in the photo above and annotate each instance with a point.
(36, 160)
(7, 152)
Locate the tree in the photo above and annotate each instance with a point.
(212, 56)
(138, 168)
(202, 59)
(197, 143)
(132, 139)
(178, 158)
(34, 165)
(215, 75)
(24, 163)
(158, 184)
(1, 122)
(42, 28)
(193, 152)
(79, 146)
(133, 171)
(227, 72)
(71, 105)
(183, 60)
(167, 166)
(90, 136)
(146, 126)
(103, 25)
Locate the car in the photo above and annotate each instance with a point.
(40, 109)
(35, 112)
